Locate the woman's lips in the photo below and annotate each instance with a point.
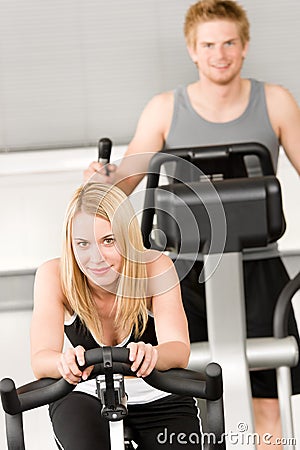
(99, 271)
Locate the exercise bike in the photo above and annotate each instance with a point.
(111, 365)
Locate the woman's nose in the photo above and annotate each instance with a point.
(96, 255)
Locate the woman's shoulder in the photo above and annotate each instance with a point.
(48, 276)
(47, 285)
(156, 260)
(159, 265)
(51, 267)
(161, 273)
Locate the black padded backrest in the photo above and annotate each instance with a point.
(227, 161)
(228, 164)
(233, 215)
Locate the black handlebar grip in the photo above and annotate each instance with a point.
(104, 150)
(10, 401)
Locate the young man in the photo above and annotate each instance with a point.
(222, 108)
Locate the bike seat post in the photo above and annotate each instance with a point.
(111, 392)
(114, 411)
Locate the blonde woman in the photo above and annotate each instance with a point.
(106, 289)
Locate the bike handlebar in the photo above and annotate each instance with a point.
(48, 390)
(207, 385)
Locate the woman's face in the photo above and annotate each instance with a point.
(95, 250)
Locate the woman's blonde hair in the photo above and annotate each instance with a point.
(209, 10)
(110, 203)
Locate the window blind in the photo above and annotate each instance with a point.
(274, 54)
(73, 71)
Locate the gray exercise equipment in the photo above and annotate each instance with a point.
(218, 214)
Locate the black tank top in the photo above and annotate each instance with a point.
(78, 334)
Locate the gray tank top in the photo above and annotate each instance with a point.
(189, 129)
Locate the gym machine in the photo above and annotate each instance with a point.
(215, 207)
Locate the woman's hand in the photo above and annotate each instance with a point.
(143, 357)
(96, 172)
(68, 365)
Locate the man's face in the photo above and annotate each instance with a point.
(218, 52)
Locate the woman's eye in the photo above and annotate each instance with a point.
(108, 241)
(82, 244)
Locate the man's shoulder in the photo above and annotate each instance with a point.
(160, 106)
(276, 89)
(273, 91)
(277, 94)
(282, 106)
(163, 99)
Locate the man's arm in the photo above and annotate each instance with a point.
(152, 129)
(285, 118)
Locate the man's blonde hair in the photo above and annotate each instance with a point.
(209, 10)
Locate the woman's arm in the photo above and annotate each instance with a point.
(170, 319)
(171, 327)
(47, 329)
